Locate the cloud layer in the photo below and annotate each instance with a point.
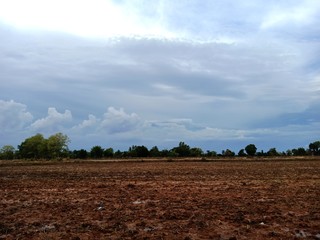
(119, 129)
(157, 72)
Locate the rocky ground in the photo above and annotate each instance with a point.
(160, 200)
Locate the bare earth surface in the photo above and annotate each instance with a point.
(160, 200)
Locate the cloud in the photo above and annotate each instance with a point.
(120, 129)
(118, 121)
(227, 70)
(94, 18)
(307, 117)
(218, 84)
(92, 121)
(53, 121)
(13, 116)
(114, 121)
(300, 15)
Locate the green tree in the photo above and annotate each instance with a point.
(289, 152)
(211, 153)
(108, 152)
(154, 152)
(138, 151)
(251, 149)
(96, 152)
(315, 148)
(241, 153)
(273, 152)
(132, 151)
(228, 153)
(118, 154)
(196, 152)
(57, 145)
(165, 153)
(299, 152)
(7, 152)
(80, 154)
(142, 151)
(34, 147)
(183, 150)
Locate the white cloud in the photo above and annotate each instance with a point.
(92, 121)
(118, 121)
(53, 121)
(13, 116)
(94, 18)
(299, 15)
(114, 121)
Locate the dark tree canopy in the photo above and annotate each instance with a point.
(241, 153)
(96, 152)
(183, 150)
(315, 148)
(251, 149)
(108, 152)
(299, 152)
(80, 154)
(196, 152)
(56, 147)
(154, 152)
(138, 151)
(273, 152)
(228, 153)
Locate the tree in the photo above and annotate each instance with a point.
(118, 154)
(183, 150)
(299, 152)
(228, 153)
(261, 154)
(211, 153)
(315, 148)
(38, 147)
(7, 152)
(196, 152)
(241, 153)
(81, 154)
(96, 152)
(289, 152)
(273, 152)
(251, 149)
(34, 147)
(165, 153)
(138, 151)
(108, 152)
(57, 145)
(142, 151)
(154, 152)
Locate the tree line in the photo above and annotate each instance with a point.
(56, 147)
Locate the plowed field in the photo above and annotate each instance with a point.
(160, 200)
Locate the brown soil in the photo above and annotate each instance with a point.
(160, 200)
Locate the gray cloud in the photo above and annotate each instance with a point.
(13, 116)
(188, 75)
(234, 66)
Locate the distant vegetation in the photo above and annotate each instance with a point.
(56, 147)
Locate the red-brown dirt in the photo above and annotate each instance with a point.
(160, 200)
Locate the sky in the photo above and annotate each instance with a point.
(215, 74)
